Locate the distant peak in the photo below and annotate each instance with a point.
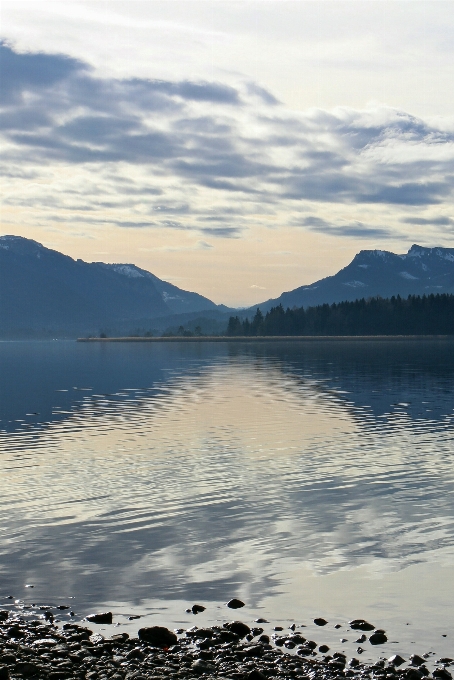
(11, 239)
(21, 245)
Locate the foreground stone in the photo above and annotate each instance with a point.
(38, 650)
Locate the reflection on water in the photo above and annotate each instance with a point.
(308, 480)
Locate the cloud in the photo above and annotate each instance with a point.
(441, 220)
(122, 142)
(357, 229)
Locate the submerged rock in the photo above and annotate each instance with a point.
(320, 622)
(105, 617)
(378, 638)
(361, 624)
(235, 604)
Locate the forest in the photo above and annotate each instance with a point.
(415, 315)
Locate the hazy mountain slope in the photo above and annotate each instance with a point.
(373, 273)
(43, 289)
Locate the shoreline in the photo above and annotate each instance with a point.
(276, 338)
(33, 647)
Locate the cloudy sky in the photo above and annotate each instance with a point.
(237, 149)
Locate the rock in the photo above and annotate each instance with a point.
(304, 651)
(442, 674)
(256, 675)
(323, 649)
(353, 663)
(362, 638)
(396, 660)
(26, 668)
(158, 636)
(416, 660)
(337, 626)
(105, 617)
(238, 627)
(261, 621)
(4, 673)
(297, 639)
(3, 615)
(254, 650)
(200, 666)
(62, 606)
(197, 608)
(361, 624)
(378, 638)
(235, 604)
(320, 622)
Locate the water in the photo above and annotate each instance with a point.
(306, 479)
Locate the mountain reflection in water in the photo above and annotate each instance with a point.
(306, 479)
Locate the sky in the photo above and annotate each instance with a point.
(236, 149)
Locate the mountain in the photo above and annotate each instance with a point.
(374, 273)
(43, 291)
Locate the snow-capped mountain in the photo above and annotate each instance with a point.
(44, 290)
(421, 271)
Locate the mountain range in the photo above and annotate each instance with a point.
(45, 293)
(373, 273)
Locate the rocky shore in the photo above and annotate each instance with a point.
(40, 650)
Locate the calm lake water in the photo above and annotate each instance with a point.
(306, 479)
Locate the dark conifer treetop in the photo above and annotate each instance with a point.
(415, 315)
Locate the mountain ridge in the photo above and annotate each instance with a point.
(373, 273)
(45, 290)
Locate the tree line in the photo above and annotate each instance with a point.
(415, 315)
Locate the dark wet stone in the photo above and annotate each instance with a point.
(235, 603)
(158, 636)
(8, 658)
(261, 621)
(337, 626)
(105, 617)
(412, 674)
(133, 617)
(254, 650)
(256, 675)
(238, 627)
(3, 615)
(378, 638)
(323, 649)
(120, 637)
(320, 622)
(396, 660)
(15, 632)
(4, 673)
(442, 674)
(62, 606)
(416, 660)
(362, 638)
(201, 666)
(304, 651)
(353, 663)
(297, 639)
(197, 608)
(361, 624)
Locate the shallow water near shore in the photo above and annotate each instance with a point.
(308, 480)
